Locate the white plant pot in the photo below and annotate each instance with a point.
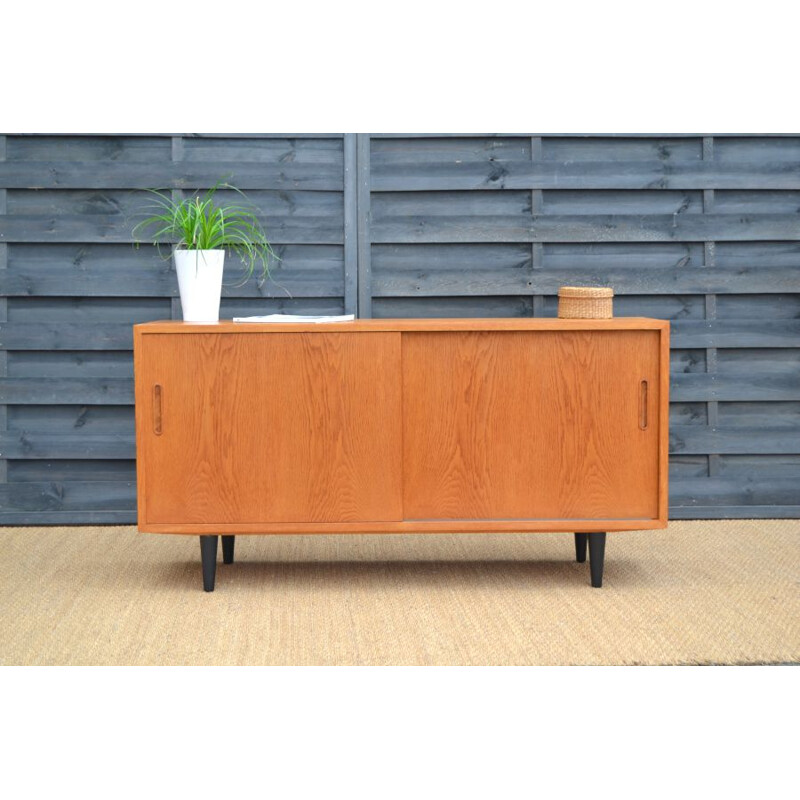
(200, 283)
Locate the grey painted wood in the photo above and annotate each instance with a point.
(691, 439)
(161, 282)
(365, 289)
(735, 333)
(575, 228)
(88, 517)
(470, 307)
(764, 386)
(182, 175)
(735, 491)
(59, 470)
(44, 419)
(683, 440)
(70, 364)
(573, 135)
(781, 466)
(73, 391)
(3, 315)
(23, 445)
(735, 512)
(698, 229)
(65, 336)
(116, 228)
(477, 175)
(82, 517)
(454, 281)
(350, 223)
(68, 496)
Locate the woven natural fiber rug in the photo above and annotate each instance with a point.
(721, 592)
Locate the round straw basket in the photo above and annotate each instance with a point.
(584, 302)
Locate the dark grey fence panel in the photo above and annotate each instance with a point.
(72, 285)
(698, 229)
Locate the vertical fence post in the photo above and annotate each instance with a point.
(3, 318)
(364, 251)
(350, 224)
(712, 412)
(177, 196)
(537, 248)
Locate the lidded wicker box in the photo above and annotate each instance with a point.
(585, 302)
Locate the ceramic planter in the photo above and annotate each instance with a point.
(200, 283)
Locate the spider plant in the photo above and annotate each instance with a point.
(200, 222)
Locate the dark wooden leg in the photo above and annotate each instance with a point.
(227, 549)
(580, 547)
(208, 552)
(597, 551)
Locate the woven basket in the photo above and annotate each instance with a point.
(584, 302)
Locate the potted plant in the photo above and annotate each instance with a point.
(202, 229)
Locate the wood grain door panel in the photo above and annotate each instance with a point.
(280, 427)
(530, 425)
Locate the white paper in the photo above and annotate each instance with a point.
(296, 318)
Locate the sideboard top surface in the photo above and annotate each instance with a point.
(438, 324)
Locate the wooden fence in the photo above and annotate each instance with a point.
(701, 230)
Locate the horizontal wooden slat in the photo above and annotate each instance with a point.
(783, 465)
(760, 414)
(580, 228)
(699, 439)
(68, 496)
(109, 336)
(98, 149)
(570, 135)
(71, 419)
(644, 175)
(580, 255)
(735, 333)
(37, 518)
(67, 391)
(740, 491)
(65, 336)
(752, 307)
(72, 364)
(121, 495)
(271, 135)
(34, 470)
(684, 440)
(23, 444)
(177, 175)
(115, 228)
(84, 517)
(131, 206)
(454, 282)
(705, 387)
(467, 307)
(734, 512)
(54, 282)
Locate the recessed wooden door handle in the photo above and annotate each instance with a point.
(643, 405)
(157, 410)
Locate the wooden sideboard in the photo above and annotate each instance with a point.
(402, 426)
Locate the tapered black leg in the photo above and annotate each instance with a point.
(208, 552)
(580, 547)
(227, 549)
(597, 552)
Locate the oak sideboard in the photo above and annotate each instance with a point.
(402, 426)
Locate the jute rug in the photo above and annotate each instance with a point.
(722, 592)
